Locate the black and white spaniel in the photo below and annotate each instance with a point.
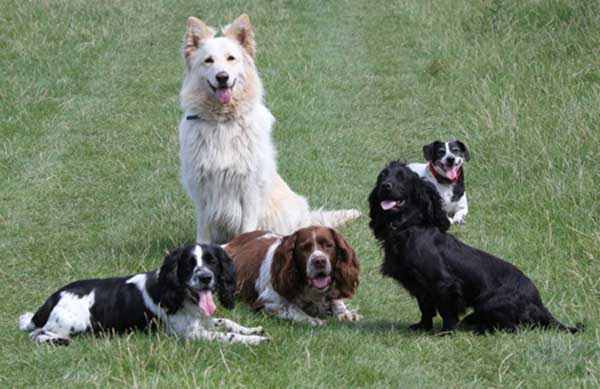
(445, 171)
(179, 295)
(444, 274)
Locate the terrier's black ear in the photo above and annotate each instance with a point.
(464, 149)
(428, 151)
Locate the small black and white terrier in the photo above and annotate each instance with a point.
(179, 295)
(445, 171)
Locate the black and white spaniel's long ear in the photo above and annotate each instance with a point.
(172, 292)
(464, 149)
(226, 278)
(431, 204)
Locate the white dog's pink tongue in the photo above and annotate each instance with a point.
(224, 95)
(206, 303)
(387, 204)
(321, 282)
(452, 173)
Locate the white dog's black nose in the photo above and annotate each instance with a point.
(222, 78)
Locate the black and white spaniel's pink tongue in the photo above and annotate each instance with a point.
(452, 173)
(387, 204)
(224, 95)
(206, 303)
(321, 282)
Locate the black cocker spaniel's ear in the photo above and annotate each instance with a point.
(464, 149)
(377, 221)
(171, 291)
(226, 278)
(430, 202)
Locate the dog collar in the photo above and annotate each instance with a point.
(441, 179)
(192, 117)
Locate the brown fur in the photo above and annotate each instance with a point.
(288, 271)
(347, 267)
(248, 251)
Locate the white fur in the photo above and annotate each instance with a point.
(227, 155)
(458, 209)
(139, 280)
(25, 323)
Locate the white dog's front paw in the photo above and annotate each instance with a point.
(349, 316)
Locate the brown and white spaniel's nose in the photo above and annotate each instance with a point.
(318, 264)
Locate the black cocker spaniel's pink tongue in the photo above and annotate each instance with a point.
(387, 204)
(206, 303)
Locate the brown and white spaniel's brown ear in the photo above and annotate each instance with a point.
(241, 31)
(285, 275)
(196, 32)
(347, 266)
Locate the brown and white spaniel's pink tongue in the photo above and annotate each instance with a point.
(206, 303)
(452, 173)
(320, 282)
(387, 204)
(224, 95)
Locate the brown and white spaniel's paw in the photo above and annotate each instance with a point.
(349, 316)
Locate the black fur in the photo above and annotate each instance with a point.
(119, 305)
(445, 275)
(225, 275)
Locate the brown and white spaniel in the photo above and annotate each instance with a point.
(302, 277)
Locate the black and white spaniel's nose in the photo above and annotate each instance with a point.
(387, 185)
(450, 160)
(204, 278)
(222, 78)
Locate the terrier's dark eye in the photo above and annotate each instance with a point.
(231, 58)
(209, 60)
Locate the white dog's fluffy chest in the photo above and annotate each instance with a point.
(236, 147)
(223, 161)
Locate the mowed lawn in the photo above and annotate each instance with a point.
(89, 176)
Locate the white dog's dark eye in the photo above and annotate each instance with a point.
(231, 58)
(209, 60)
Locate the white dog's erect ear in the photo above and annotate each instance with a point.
(241, 31)
(197, 32)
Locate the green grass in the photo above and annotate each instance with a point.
(89, 176)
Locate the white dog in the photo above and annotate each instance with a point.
(227, 155)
